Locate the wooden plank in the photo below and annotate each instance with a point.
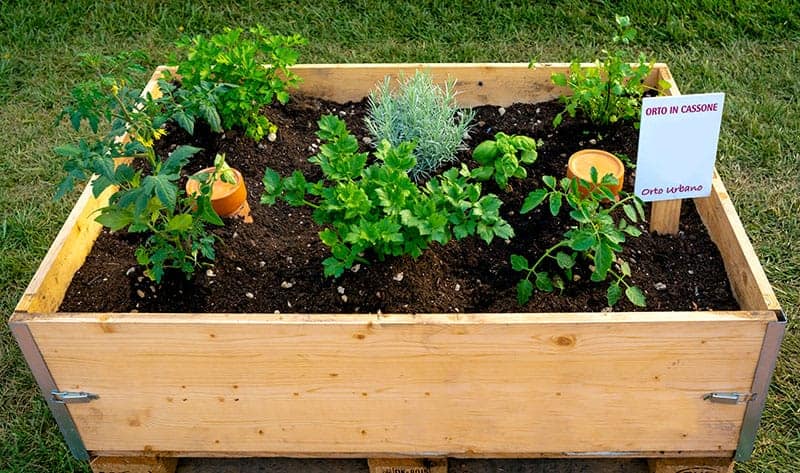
(477, 84)
(65, 256)
(133, 465)
(665, 216)
(748, 280)
(691, 465)
(407, 465)
(402, 385)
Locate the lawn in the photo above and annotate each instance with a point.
(747, 49)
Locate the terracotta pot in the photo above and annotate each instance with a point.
(227, 200)
(581, 163)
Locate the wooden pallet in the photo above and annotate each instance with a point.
(406, 465)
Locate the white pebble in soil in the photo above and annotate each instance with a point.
(501, 111)
(286, 284)
(660, 286)
(272, 137)
(250, 295)
(340, 290)
(398, 277)
(344, 298)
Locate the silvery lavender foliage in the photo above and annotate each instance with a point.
(422, 112)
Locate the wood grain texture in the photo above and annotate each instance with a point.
(405, 385)
(665, 216)
(748, 280)
(407, 465)
(691, 465)
(133, 465)
(477, 84)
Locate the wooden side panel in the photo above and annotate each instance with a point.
(747, 277)
(404, 385)
(477, 84)
(65, 256)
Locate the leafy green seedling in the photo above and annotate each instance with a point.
(612, 89)
(253, 66)
(378, 207)
(596, 239)
(146, 197)
(503, 157)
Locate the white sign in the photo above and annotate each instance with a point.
(678, 146)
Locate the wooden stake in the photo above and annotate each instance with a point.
(665, 216)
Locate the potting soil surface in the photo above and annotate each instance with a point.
(275, 263)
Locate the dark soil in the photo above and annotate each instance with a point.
(275, 264)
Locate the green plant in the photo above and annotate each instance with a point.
(422, 112)
(597, 239)
(503, 158)
(254, 64)
(378, 207)
(611, 90)
(222, 172)
(147, 198)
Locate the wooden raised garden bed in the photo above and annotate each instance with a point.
(643, 384)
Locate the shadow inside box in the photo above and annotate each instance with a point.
(455, 465)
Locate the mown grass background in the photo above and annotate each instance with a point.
(748, 49)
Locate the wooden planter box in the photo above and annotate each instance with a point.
(400, 385)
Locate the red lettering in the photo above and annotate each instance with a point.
(699, 107)
(656, 111)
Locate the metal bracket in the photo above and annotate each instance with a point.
(729, 398)
(47, 385)
(72, 397)
(766, 366)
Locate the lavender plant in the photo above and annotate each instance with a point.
(421, 112)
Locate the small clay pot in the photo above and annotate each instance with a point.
(581, 163)
(227, 200)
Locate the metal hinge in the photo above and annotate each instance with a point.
(729, 398)
(72, 397)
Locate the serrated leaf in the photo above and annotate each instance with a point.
(185, 121)
(179, 223)
(329, 237)
(533, 200)
(164, 189)
(524, 291)
(555, 203)
(603, 258)
(564, 260)
(543, 282)
(519, 263)
(636, 296)
(115, 219)
(549, 181)
(613, 294)
(582, 240)
(637, 202)
(629, 212)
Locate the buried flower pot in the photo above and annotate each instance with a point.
(228, 199)
(639, 384)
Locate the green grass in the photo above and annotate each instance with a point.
(748, 49)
